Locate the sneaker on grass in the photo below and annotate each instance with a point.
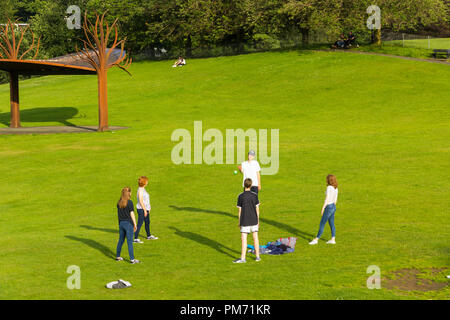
(315, 241)
(138, 241)
(239, 261)
(258, 259)
(152, 238)
(119, 259)
(331, 241)
(134, 261)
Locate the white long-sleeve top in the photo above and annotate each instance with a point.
(331, 195)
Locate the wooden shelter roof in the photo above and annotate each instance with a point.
(70, 64)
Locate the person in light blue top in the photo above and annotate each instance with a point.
(143, 209)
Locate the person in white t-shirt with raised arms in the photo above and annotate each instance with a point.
(251, 169)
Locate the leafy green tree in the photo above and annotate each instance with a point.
(409, 15)
(6, 10)
(310, 15)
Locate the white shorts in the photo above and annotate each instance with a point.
(249, 229)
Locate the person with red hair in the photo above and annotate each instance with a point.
(328, 210)
(143, 209)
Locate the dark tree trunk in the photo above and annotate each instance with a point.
(376, 36)
(305, 36)
(188, 46)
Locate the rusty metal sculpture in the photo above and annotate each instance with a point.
(10, 45)
(96, 52)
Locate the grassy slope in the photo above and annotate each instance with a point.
(380, 124)
(435, 43)
(412, 48)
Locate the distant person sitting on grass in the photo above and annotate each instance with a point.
(351, 40)
(180, 62)
(127, 224)
(248, 205)
(328, 210)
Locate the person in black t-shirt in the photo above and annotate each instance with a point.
(248, 205)
(351, 40)
(127, 224)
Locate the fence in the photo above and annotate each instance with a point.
(415, 41)
(260, 42)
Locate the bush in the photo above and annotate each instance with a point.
(262, 41)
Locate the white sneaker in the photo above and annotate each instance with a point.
(239, 261)
(315, 241)
(138, 241)
(152, 237)
(331, 241)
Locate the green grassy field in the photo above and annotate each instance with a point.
(380, 124)
(433, 43)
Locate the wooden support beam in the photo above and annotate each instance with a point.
(14, 98)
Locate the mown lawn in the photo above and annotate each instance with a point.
(432, 43)
(380, 124)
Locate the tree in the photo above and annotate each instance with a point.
(409, 15)
(11, 48)
(309, 15)
(6, 10)
(49, 22)
(101, 58)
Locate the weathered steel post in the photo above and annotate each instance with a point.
(14, 98)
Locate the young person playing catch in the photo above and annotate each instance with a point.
(248, 205)
(251, 169)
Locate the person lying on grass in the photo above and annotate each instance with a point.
(127, 224)
(339, 43)
(248, 205)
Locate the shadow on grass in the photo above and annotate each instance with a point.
(206, 241)
(95, 245)
(57, 114)
(115, 231)
(277, 224)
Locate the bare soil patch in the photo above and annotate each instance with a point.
(411, 280)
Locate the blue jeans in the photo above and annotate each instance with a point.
(141, 220)
(328, 215)
(125, 230)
